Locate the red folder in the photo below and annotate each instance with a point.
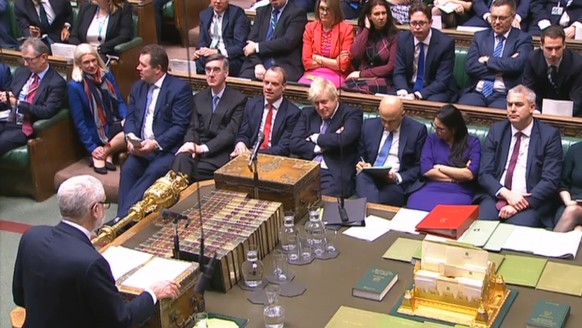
(449, 220)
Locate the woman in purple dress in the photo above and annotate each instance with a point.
(449, 163)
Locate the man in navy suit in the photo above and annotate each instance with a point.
(216, 118)
(224, 29)
(328, 133)
(270, 113)
(6, 38)
(37, 92)
(521, 164)
(553, 71)
(482, 14)
(52, 18)
(276, 38)
(566, 13)
(425, 60)
(496, 58)
(62, 281)
(391, 140)
(159, 109)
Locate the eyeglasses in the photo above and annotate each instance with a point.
(106, 205)
(323, 9)
(29, 60)
(437, 128)
(418, 23)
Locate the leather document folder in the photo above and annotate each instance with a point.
(449, 220)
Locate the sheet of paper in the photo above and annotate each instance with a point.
(402, 249)
(499, 237)
(559, 244)
(448, 7)
(561, 278)
(4, 114)
(522, 270)
(180, 65)
(524, 239)
(375, 227)
(470, 28)
(259, 4)
(558, 107)
(63, 50)
(155, 270)
(122, 260)
(406, 220)
(479, 232)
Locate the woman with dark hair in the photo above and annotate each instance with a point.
(375, 46)
(449, 163)
(326, 45)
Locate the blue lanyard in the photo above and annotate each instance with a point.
(100, 25)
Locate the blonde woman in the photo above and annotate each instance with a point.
(97, 108)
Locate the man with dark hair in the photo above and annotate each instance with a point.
(216, 118)
(50, 18)
(159, 109)
(521, 164)
(425, 60)
(276, 38)
(496, 58)
(224, 29)
(271, 114)
(37, 92)
(554, 71)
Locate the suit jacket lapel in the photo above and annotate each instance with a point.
(402, 138)
(43, 84)
(161, 101)
(505, 144)
(376, 139)
(277, 127)
(225, 20)
(490, 43)
(434, 42)
(531, 151)
(140, 105)
(266, 22)
(508, 47)
(206, 108)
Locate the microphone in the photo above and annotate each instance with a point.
(198, 301)
(255, 151)
(167, 214)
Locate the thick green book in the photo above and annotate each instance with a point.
(375, 284)
(548, 314)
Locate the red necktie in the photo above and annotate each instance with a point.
(267, 129)
(32, 89)
(511, 167)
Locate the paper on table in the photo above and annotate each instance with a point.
(448, 7)
(406, 220)
(524, 239)
(375, 227)
(470, 28)
(259, 4)
(402, 249)
(155, 270)
(561, 278)
(180, 65)
(559, 244)
(479, 232)
(522, 270)
(122, 260)
(499, 237)
(221, 323)
(558, 107)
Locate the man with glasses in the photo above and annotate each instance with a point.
(159, 108)
(391, 140)
(216, 118)
(425, 60)
(554, 71)
(37, 92)
(482, 11)
(61, 263)
(496, 59)
(276, 38)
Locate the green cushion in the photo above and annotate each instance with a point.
(460, 73)
(169, 10)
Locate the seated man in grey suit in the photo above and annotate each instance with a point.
(216, 118)
(521, 165)
(270, 113)
(393, 140)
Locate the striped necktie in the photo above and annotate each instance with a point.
(497, 52)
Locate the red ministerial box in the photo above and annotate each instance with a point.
(449, 220)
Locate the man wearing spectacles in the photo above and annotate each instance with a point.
(216, 118)
(37, 92)
(425, 60)
(496, 59)
(60, 262)
(483, 18)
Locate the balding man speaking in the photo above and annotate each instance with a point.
(391, 140)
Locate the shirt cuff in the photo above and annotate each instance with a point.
(401, 92)
(204, 148)
(398, 178)
(418, 95)
(577, 24)
(543, 24)
(158, 147)
(317, 150)
(498, 193)
(151, 292)
(257, 48)
(518, 17)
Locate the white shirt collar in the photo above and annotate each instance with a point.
(218, 94)
(426, 41)
(276, 104)
(160, 81)
(78, 227)
(526, 131)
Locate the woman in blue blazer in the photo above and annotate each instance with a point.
(97, 108)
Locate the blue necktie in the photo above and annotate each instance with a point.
(497, 52)
(44, 23)
(215, 101)
(385, 151)
(273, 24)
(322, 130)
(419, 84)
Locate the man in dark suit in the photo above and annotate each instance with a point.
(391, 140)
(37, 92)
(6, 38)
(553, 71)
(328, 133)
(216, 118)
(496, 58)
(567, 14)
(425, 60)
(159, 108)
(482, 14)
(276, 38)
(521, 164)
(61, 263)
(224, 29)
(270, 113)
(52, 18)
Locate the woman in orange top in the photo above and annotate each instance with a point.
(326, 44)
